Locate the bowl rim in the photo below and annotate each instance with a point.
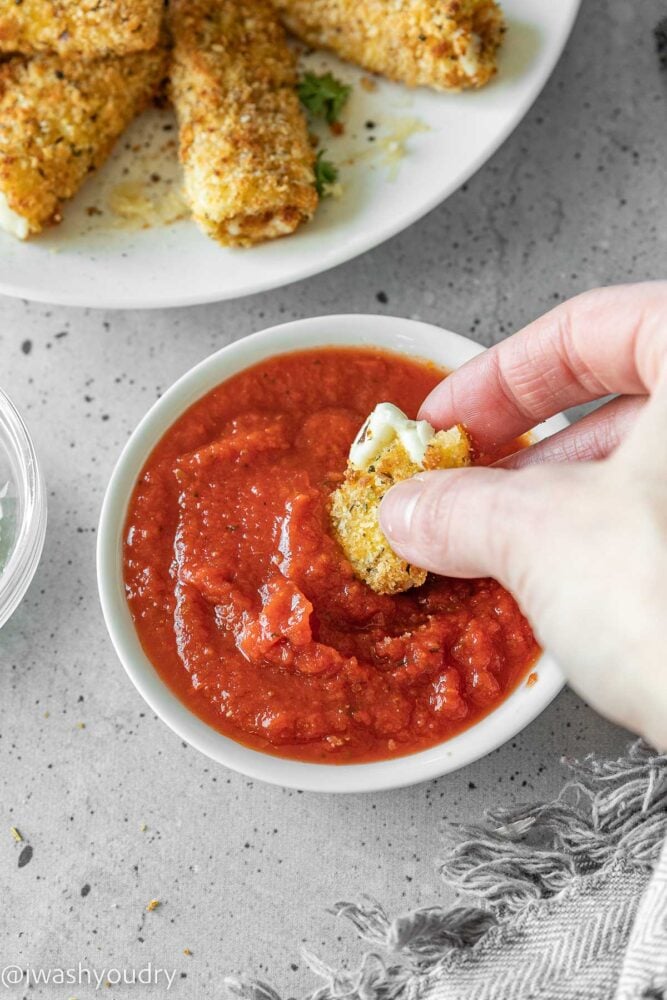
(402, 336)
(27, 548)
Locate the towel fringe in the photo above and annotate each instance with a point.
(518, 856)
(532, 852)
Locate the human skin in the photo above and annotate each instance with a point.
(575, 526)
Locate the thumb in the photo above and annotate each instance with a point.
(469, 522)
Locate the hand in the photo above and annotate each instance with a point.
(575, 526)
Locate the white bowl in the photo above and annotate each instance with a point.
(22, 509)
(400, 335)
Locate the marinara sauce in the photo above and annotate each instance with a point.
(249, 611)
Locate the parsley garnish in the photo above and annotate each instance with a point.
(326, 174)
(323, 96)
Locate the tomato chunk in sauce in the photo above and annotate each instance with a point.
(245, 604)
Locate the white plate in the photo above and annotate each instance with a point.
(91, 260)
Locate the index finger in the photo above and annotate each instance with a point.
(610, 340)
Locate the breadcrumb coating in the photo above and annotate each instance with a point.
(445, 44)
(59, 120)
(355, 508)
(244, 142)
(84, 28)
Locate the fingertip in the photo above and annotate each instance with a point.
(458, 522)
(397, 511)
(414, 516)
(467, 397)
(436, 408)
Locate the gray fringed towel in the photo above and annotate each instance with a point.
(568, 902)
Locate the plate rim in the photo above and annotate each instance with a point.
(309, 268)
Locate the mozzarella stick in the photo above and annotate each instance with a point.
(84, 28)
(388, 449)
(244, 143)
(59, 120)
(444, 44)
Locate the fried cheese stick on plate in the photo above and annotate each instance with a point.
(244, 143)
(445, 44)
(59, 120)
(84, 28)
(388, 449)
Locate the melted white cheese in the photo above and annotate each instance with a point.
(385, 424)
(470, 59)
(11, 222)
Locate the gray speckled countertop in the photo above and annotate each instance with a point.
(244, 871)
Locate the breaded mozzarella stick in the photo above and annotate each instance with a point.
(388, 449)
(445, 44)
(59, 120)
(244, 141)
(79, 27)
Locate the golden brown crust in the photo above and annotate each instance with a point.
(355, 509)
(244, 142)
(84, 28)
(59, 120)
(445, 44)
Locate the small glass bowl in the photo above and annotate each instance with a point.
(22, 509)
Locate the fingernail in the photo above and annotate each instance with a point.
(398, 508)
